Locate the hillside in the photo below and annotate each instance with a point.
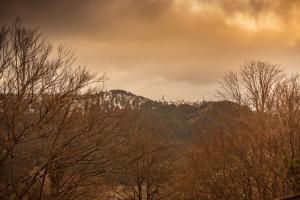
(182, 119)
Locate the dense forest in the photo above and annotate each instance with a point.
(63, 137)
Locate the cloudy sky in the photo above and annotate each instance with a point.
(175, 48)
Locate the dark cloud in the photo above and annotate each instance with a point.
(81, 15)
(258, 7)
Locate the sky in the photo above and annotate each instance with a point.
(178, 49)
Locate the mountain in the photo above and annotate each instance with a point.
(120, 99)
(220, 116)
(182, 119)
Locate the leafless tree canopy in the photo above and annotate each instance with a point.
(254, 85)
(52, 134)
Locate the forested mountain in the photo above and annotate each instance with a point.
(182, 119)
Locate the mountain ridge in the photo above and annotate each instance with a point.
(183, 119)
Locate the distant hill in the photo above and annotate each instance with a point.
(120, 99)
(220, 116)
(182, 119)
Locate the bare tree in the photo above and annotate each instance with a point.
(267, 151)
(52, 134)
(253, 85)
(287, 114)
(148, 157)
(231, 88)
